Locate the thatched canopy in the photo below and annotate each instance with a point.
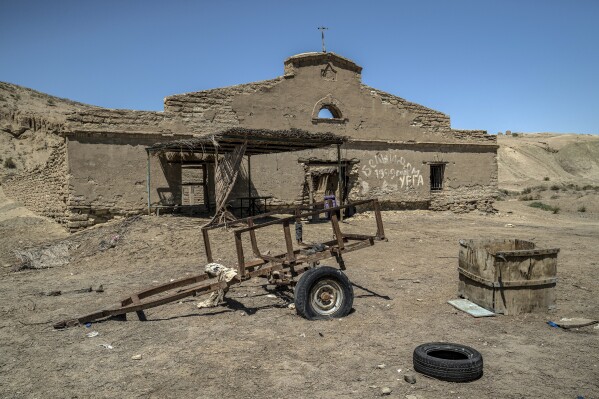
(259, 141)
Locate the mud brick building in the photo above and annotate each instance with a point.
(403, 153)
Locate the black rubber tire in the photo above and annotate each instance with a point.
(328, 280)
(448, 362)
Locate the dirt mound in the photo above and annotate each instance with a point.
(527, 159)
(580, 159)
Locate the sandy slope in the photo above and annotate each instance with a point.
(529, 159)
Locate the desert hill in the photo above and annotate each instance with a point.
(29, 126)
(528, 159)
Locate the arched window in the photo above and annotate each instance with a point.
(327, 110)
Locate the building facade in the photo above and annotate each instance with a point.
(403, 153)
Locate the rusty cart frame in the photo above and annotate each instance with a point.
(326, 285)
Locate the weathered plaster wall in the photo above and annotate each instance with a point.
(409, 135)
(108, 177)
(393, 139)
(312, 80)
(398, 174)
(211, 111)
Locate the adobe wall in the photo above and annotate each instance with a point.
(395, 173)
(108, 177)
(43, 189)
(392, 138)
(211, 111)
(293, 101)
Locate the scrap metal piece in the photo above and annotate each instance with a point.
(471, 308)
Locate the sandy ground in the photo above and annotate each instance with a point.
(256, 347)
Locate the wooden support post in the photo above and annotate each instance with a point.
(288, 241)
(207, 245)
(249, 178)
(311, 195)
(240, 257)
(298, 227)
(148, 183)
(140, 313)
(205, 187)
(380, 231)
(252, 232)
(337, 230)
(340, 181)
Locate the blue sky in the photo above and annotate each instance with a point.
(523, 65)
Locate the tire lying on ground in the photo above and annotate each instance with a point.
(448, 362)
(323, 293)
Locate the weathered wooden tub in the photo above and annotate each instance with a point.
(508, 276)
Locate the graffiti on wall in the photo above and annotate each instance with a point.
(394, 171)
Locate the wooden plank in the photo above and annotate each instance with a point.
(380, 230)
(207, 247)
(255, 248)
(288, 241)
(166, 287)
(140, 313)
(526, 252)
(240, 257)
(273, 259)
(304, 215)
(135, 307)
(507, 283)
(337, 230)
(265, 271)
(357, 236)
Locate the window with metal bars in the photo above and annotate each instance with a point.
(437, 171)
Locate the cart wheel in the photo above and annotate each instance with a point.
(323, 293)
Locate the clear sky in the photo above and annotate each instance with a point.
(520, 65)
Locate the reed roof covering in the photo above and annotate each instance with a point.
(259, 141)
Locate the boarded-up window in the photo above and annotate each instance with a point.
(437, 171)
(193, 185)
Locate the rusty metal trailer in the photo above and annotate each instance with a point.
(320, 291)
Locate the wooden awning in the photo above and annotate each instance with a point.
(258, 141)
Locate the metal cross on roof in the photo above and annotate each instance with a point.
(322, 29)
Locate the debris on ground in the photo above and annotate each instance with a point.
(409, 378)
(386, 391)
(574, 322)
(78, 291)
(110, 243)
(136, 357)
(471, 308)
(223, 273)
(87, 242)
